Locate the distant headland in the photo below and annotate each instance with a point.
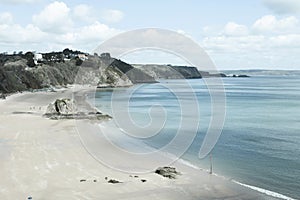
(32, 70)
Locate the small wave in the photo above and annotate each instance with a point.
(261, 190)
(187, 163)
(139, 144)
(264, 191)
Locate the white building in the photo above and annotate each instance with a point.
(37, 57)
(82, 57)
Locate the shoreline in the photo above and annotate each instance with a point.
(190, 164)
(45, 159)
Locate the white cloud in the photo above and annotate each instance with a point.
(270, 41)
(286, 41)
(254, 51)
(67, 38)
(182, 32)
(6, 18)
(233, 29)
(96, 32)
(210, 30)
(83, 12)
(54, 18)
(251, 43)
(112, 16)
(57, 26)
(234, 44)
(283, 6)
(85, 38)
(270, 23)
(265, 34)
(15, 33)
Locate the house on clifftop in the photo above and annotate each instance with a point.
(38, 58)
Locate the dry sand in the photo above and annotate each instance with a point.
(45, 159)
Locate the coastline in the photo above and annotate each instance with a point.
(44, 159)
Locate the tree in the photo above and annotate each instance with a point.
(67, 51)
(78, 61)
(29, 56)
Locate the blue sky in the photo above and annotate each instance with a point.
(236, 34)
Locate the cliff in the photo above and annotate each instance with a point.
(136, 75)
(29, 71)
(169, 71)
(175, 72)
(24, 72)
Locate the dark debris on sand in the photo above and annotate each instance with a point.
(168, 172)
(113, 181)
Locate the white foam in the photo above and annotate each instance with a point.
(139, 144)
(187, 163)
(261, 190)
(264, 191)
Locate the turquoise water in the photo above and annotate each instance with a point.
(260, 142)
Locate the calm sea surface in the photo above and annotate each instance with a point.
(260, 142)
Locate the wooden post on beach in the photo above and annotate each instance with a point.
(211, 168)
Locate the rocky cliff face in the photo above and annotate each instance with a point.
(16, 74)
(170, 72)
(188, 72)
(175, 72)
(67, 109)
(134, 74)
(26, 72)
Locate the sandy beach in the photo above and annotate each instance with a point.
(45, 159)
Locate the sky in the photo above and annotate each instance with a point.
(254, 34)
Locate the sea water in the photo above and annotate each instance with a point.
(260, 142)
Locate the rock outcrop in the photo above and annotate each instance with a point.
(67, 109)
(62, 107)
(18, 73)
(169, 71)
(188, 72)
(2, 96)
(134, 74)
(175, 72)
(168, 172)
